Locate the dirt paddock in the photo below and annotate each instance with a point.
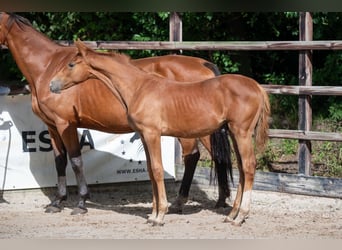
(119, 211)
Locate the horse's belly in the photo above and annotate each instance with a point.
(191, 129)
(106, 122)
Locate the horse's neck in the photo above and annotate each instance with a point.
(126, 78)
(32, 52)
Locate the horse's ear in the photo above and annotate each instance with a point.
(82, 48)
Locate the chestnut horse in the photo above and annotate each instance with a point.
(39, 58)
(154, 104)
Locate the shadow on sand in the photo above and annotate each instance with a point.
(135, 198)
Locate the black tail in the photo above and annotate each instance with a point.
(221, 155)
(220, 148)
(213, 68)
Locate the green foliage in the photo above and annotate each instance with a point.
(329, 155)
(8, 68)
(276, 149)
(267, 157)
(284, 107)
(335, 111)
(326, 155)
(329, 73)
(225, 61)
(267, 67)
(275, 67)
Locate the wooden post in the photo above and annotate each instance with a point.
(175, 25)
(304, 103)
(176, 35)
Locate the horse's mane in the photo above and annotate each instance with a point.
(14, 18)
(124, 58)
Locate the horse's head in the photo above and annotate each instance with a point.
(74, 72)
(6, 22)
(77, 70)
(3, 28)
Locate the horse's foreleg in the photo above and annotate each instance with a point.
(154, 150)
(70, 140)
(154, 213)
(191, 157)
(61, 163)
(77, 166)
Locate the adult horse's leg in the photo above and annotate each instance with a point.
(191, 156)
(77, 167)
(221, 155)
(70, 140)
(218, 146)
(61, 163)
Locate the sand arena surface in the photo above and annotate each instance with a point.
(119, 211)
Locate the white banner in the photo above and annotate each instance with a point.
(27, 161)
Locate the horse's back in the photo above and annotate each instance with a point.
(239, 84)
(177, 67)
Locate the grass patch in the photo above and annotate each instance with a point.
(280, 155)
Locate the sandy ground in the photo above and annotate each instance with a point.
(119, 211)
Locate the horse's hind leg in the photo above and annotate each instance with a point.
(247, 168)
(61, 163)
(236, 205)
(191, 156)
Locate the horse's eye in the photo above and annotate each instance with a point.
(71, 64)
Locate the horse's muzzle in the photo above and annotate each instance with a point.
(55, 86)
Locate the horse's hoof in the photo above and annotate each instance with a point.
(178, 205)
(228, 220)
(155, 222)
(221, 204)
(158, 223)
(150, 220)
(237, 223)
(79, 210)
(52, 209)
(175, 209)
